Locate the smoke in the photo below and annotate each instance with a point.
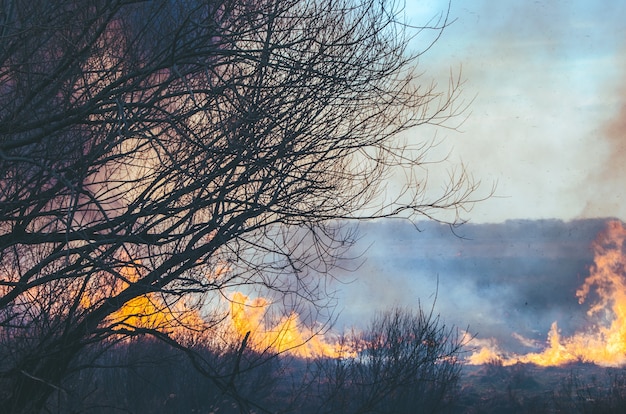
(544, 291)
(615, 133)
(509, 281)
(601, 340)
(547, 116)
(606, 184)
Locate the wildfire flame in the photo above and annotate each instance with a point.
(604, 342)
(247, 317)
(287, 336)
(146, 311)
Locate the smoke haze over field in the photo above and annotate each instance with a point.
(509, 281)
(547, 118)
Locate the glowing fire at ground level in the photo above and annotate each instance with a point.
(603, 342)
(286, 336)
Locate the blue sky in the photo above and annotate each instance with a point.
(547, 120)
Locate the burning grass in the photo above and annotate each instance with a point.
(603, 340)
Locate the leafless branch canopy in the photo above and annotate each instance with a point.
(164, 148)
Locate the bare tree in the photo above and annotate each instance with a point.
(408, 362)
(145, 147)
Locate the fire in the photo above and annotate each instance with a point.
(152, 312)
(488, 351)
(604, 342)
(287, 336)
(149, 311)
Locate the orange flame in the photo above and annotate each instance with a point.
(146, 311)
(603, 343)
(488, 351)
(287, 336)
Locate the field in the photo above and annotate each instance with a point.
(526, 388)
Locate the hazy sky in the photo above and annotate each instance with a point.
(548, 120)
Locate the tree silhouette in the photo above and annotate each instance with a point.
(168, 151)
(407, 362)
